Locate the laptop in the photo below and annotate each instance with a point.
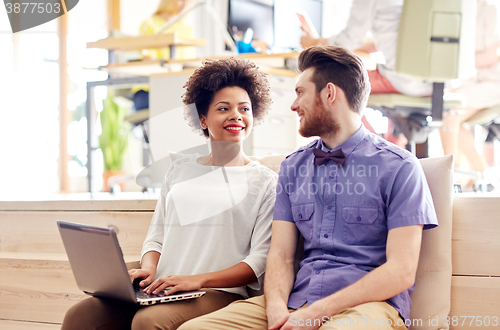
(99, 269)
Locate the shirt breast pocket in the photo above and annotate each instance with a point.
(302, 215)
(362, 226)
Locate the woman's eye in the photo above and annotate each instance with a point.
(246, 109)
(223, 109)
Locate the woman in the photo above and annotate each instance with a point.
(212, 225)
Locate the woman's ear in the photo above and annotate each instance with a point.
(203, 123)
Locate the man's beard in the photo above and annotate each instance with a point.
(318, 121)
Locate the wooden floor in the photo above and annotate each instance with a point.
(17, 325)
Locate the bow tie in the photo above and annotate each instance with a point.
(322, 157)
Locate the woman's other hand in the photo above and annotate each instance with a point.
(177, 283)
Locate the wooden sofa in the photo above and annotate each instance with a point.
(37, 285)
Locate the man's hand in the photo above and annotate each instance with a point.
(308, 318)
(178, 283)
(277, 315)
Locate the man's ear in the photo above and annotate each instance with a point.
(331, 93)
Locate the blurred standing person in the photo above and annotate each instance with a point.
(483, 91)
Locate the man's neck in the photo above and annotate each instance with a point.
(347, 129)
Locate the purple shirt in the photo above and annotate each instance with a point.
(345, 213)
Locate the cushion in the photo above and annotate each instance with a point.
(431, 298)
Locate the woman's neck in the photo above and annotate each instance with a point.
(220, 158)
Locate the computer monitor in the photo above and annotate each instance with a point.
(274, 21)
(255, 14)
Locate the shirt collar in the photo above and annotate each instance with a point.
(349, 144)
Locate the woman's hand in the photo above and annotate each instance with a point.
(178, 283)
(146, 274)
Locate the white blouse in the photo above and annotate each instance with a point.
(211, 218)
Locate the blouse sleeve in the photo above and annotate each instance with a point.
(261, 238)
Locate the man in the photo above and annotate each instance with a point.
(359, 202)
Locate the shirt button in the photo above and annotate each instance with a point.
(329, 207)
(300, 216)
(358, 218)
(331, 176)
(317, 272)
(326, 235)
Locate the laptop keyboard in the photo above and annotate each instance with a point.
(139, 293)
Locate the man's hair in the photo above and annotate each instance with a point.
(215, 75)
(342, 68)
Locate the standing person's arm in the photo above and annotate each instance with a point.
(487, 37)
(280, 272)
(487, 57)
(352, 36)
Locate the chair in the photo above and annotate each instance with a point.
(435, 44)
(490, 119)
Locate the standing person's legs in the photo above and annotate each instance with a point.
(247, 314)
(449, 131)
(455, 138)
(170, 316)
